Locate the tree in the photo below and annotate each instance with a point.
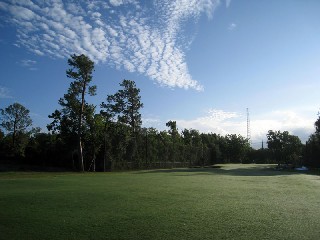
(39, 148)
(15, 120)
(94, 137)
(173, 131)
(151, 146)
(313, 150)
(1, 135)
(126, 104)
(194, 147)
(313, 146)
(317, 125)
(237, 147)
(173, 128)
(210, 141)
(286, 148)
(72, 117)
(107, 114)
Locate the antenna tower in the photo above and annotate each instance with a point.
(248, 127)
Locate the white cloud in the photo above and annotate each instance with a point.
(21, 13)
(119, 33)
(283, 120)
(220, 115)
(216, 121)
(75, 8)
(38, 52)
(4, 92)
(232, 26)
(27, 63)
(222, 122)
(116, 3)
(152, 122)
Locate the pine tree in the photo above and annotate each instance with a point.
(71, 118)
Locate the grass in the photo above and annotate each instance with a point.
(231, 202)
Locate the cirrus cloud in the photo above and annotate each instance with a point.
(124, 34)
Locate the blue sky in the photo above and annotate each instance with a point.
(198, 62)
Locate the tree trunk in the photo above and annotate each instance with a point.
(14, 134)
(80, 126)
(146, 143)
(94, 162)
(80, 155)
(14, 140)
(105, 147)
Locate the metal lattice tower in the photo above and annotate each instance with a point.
(248, 127)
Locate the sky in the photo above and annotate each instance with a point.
(201, 63)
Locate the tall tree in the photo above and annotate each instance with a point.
(72, 116)
(108, 114)
(1, 135)
(126, 104)
(317, 124)
(173, 131)
(93, 138)
(15, 120)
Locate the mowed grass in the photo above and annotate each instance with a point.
(231, 202)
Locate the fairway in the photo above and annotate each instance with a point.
(228, 202)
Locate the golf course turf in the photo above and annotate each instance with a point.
(231, 201)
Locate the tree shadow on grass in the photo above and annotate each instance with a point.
(29, 168)
(231, 170)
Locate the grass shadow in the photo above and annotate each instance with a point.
(29, 168)
(231, 170)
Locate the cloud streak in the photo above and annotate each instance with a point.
(27, 63)
(119, 33)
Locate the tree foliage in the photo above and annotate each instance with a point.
(286, 148)
(312, 151)
(15, 120)
(126, 104)
(72, 119)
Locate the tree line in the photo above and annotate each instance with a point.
(83, 138)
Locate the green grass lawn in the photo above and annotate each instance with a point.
(231, 202)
